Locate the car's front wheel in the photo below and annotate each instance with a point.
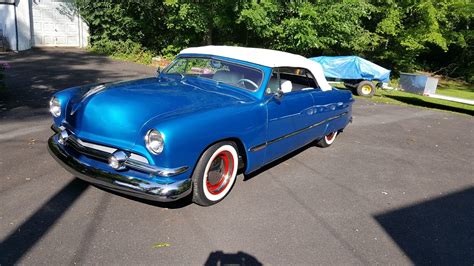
(215, 173)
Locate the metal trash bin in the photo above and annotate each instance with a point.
(417, 83)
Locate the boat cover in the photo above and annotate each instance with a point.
(352, 67)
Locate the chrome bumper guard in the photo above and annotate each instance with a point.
(117, 180)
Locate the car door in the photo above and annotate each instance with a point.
(288, 116)
(327, 108)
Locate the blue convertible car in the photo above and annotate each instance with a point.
(214, 111)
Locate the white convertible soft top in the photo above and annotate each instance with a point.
(264, 57)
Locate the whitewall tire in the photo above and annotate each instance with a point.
(327, 140)
(215, 173)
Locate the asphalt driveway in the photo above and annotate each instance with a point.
(396, 188)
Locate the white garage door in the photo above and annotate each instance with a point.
(55, 23)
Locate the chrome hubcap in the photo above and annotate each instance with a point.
(329, 137)
(219, 173)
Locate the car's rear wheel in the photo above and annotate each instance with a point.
(327, 140)
(215, 173)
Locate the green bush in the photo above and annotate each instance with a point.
(124, 50)
(170, 52)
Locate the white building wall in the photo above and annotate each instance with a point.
(84, 38)
(7, 21)
(25, 19)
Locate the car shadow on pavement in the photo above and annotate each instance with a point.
(239, 258)
(25, 236)
(439, 231)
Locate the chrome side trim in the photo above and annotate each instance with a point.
(264, 145)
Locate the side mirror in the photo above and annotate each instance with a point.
(158, 72)
(278, 94)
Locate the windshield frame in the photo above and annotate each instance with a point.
(225, 60)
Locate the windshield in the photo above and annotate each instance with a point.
(221, 71)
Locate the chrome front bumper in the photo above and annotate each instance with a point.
(139, 182)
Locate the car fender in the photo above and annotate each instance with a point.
(187, 136)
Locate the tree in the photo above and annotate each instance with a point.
(403, 35)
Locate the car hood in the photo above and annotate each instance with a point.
(115, 113)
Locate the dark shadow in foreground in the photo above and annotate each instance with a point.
(420, 102)
(435, 232)
(25, 236)
(239, 258)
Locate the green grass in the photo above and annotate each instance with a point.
(455, 88)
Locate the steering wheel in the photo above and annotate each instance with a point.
(248, 81)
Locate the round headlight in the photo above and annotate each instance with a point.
(154, 141)
(55, 107)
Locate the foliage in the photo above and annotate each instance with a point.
(125, 50)
(414, 31)
(309, 29)
(402, 35)
(170, 51)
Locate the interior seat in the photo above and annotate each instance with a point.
(227, 76)
(286, 85)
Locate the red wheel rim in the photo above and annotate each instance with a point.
(330, 137)
(219, 173)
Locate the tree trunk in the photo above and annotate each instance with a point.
(208, 34)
